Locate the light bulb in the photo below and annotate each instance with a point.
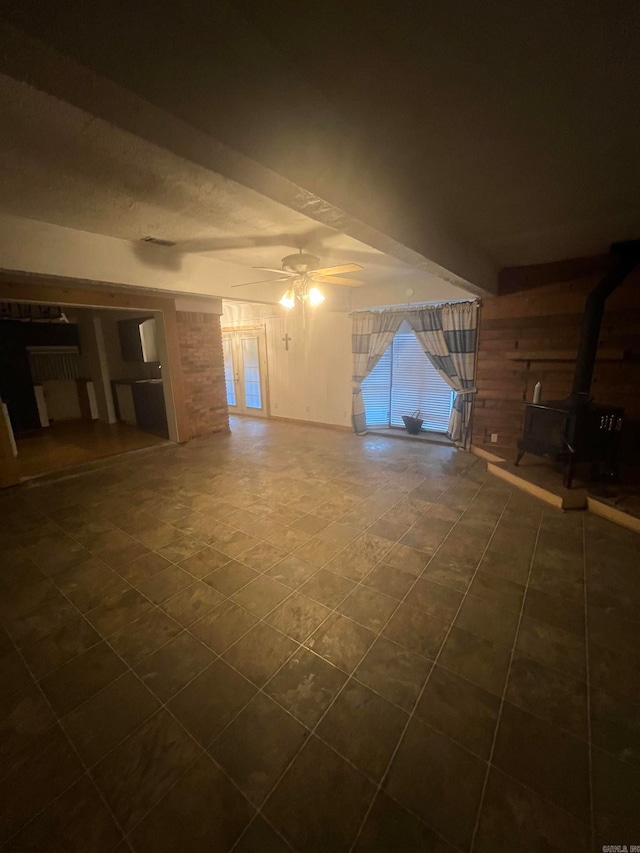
(315, 297)
(288, 300)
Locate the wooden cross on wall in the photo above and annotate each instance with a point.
(286, 340)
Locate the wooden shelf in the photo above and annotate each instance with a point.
(560, 355)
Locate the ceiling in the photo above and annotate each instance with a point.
(58, 164)
(520, 121)
(514, 126)
(63, 166)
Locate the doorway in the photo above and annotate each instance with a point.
(79, 383)
(245, 372)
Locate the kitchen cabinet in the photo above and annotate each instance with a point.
(151, 411)
(138, 339)
(141, 403)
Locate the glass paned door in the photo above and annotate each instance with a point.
(229, 371)
(245, 372)
(405, 381)
(251, 369)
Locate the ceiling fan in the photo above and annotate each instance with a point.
(303, 272)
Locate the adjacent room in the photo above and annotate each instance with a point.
(79, 385)
(319, 428)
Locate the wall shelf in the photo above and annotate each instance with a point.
(560, 355)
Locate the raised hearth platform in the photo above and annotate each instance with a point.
(540, 478)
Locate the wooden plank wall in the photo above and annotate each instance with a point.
(547, 321)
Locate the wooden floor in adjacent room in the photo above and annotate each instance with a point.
(69, 443)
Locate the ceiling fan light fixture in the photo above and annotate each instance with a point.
(315, 297)
(288, 300)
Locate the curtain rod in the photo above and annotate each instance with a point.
(412, 307)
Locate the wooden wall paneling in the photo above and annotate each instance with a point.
(515, 279)
(547, 322)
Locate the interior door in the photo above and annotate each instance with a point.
(245, 372)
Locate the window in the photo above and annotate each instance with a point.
(401, 382)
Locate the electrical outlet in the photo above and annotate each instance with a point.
(494, 438)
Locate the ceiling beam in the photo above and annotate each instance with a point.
(316, 184)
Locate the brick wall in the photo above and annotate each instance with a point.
(200, 342)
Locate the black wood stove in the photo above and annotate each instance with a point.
(577, 430)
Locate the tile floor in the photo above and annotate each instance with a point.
(296, 639)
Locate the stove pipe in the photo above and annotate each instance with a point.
(627, 255)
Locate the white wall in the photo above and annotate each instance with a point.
(312, 380)
(52, 250)
(95, 362)
(395, 293)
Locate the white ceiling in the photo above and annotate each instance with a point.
(63, 166)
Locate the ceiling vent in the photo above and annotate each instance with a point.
(157, 241)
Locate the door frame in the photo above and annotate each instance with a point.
(44, 290)
(260, 332)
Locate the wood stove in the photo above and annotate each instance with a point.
(573, 433)
(577, 430)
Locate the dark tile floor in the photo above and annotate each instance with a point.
(294, 638)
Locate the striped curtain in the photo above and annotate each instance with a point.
(372, 333)
(447, 334)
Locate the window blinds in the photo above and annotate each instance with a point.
(403, 381)
(46, 366)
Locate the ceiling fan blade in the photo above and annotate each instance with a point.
(339, 269)
(272, 269)
(262, 281)
(350, 282)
